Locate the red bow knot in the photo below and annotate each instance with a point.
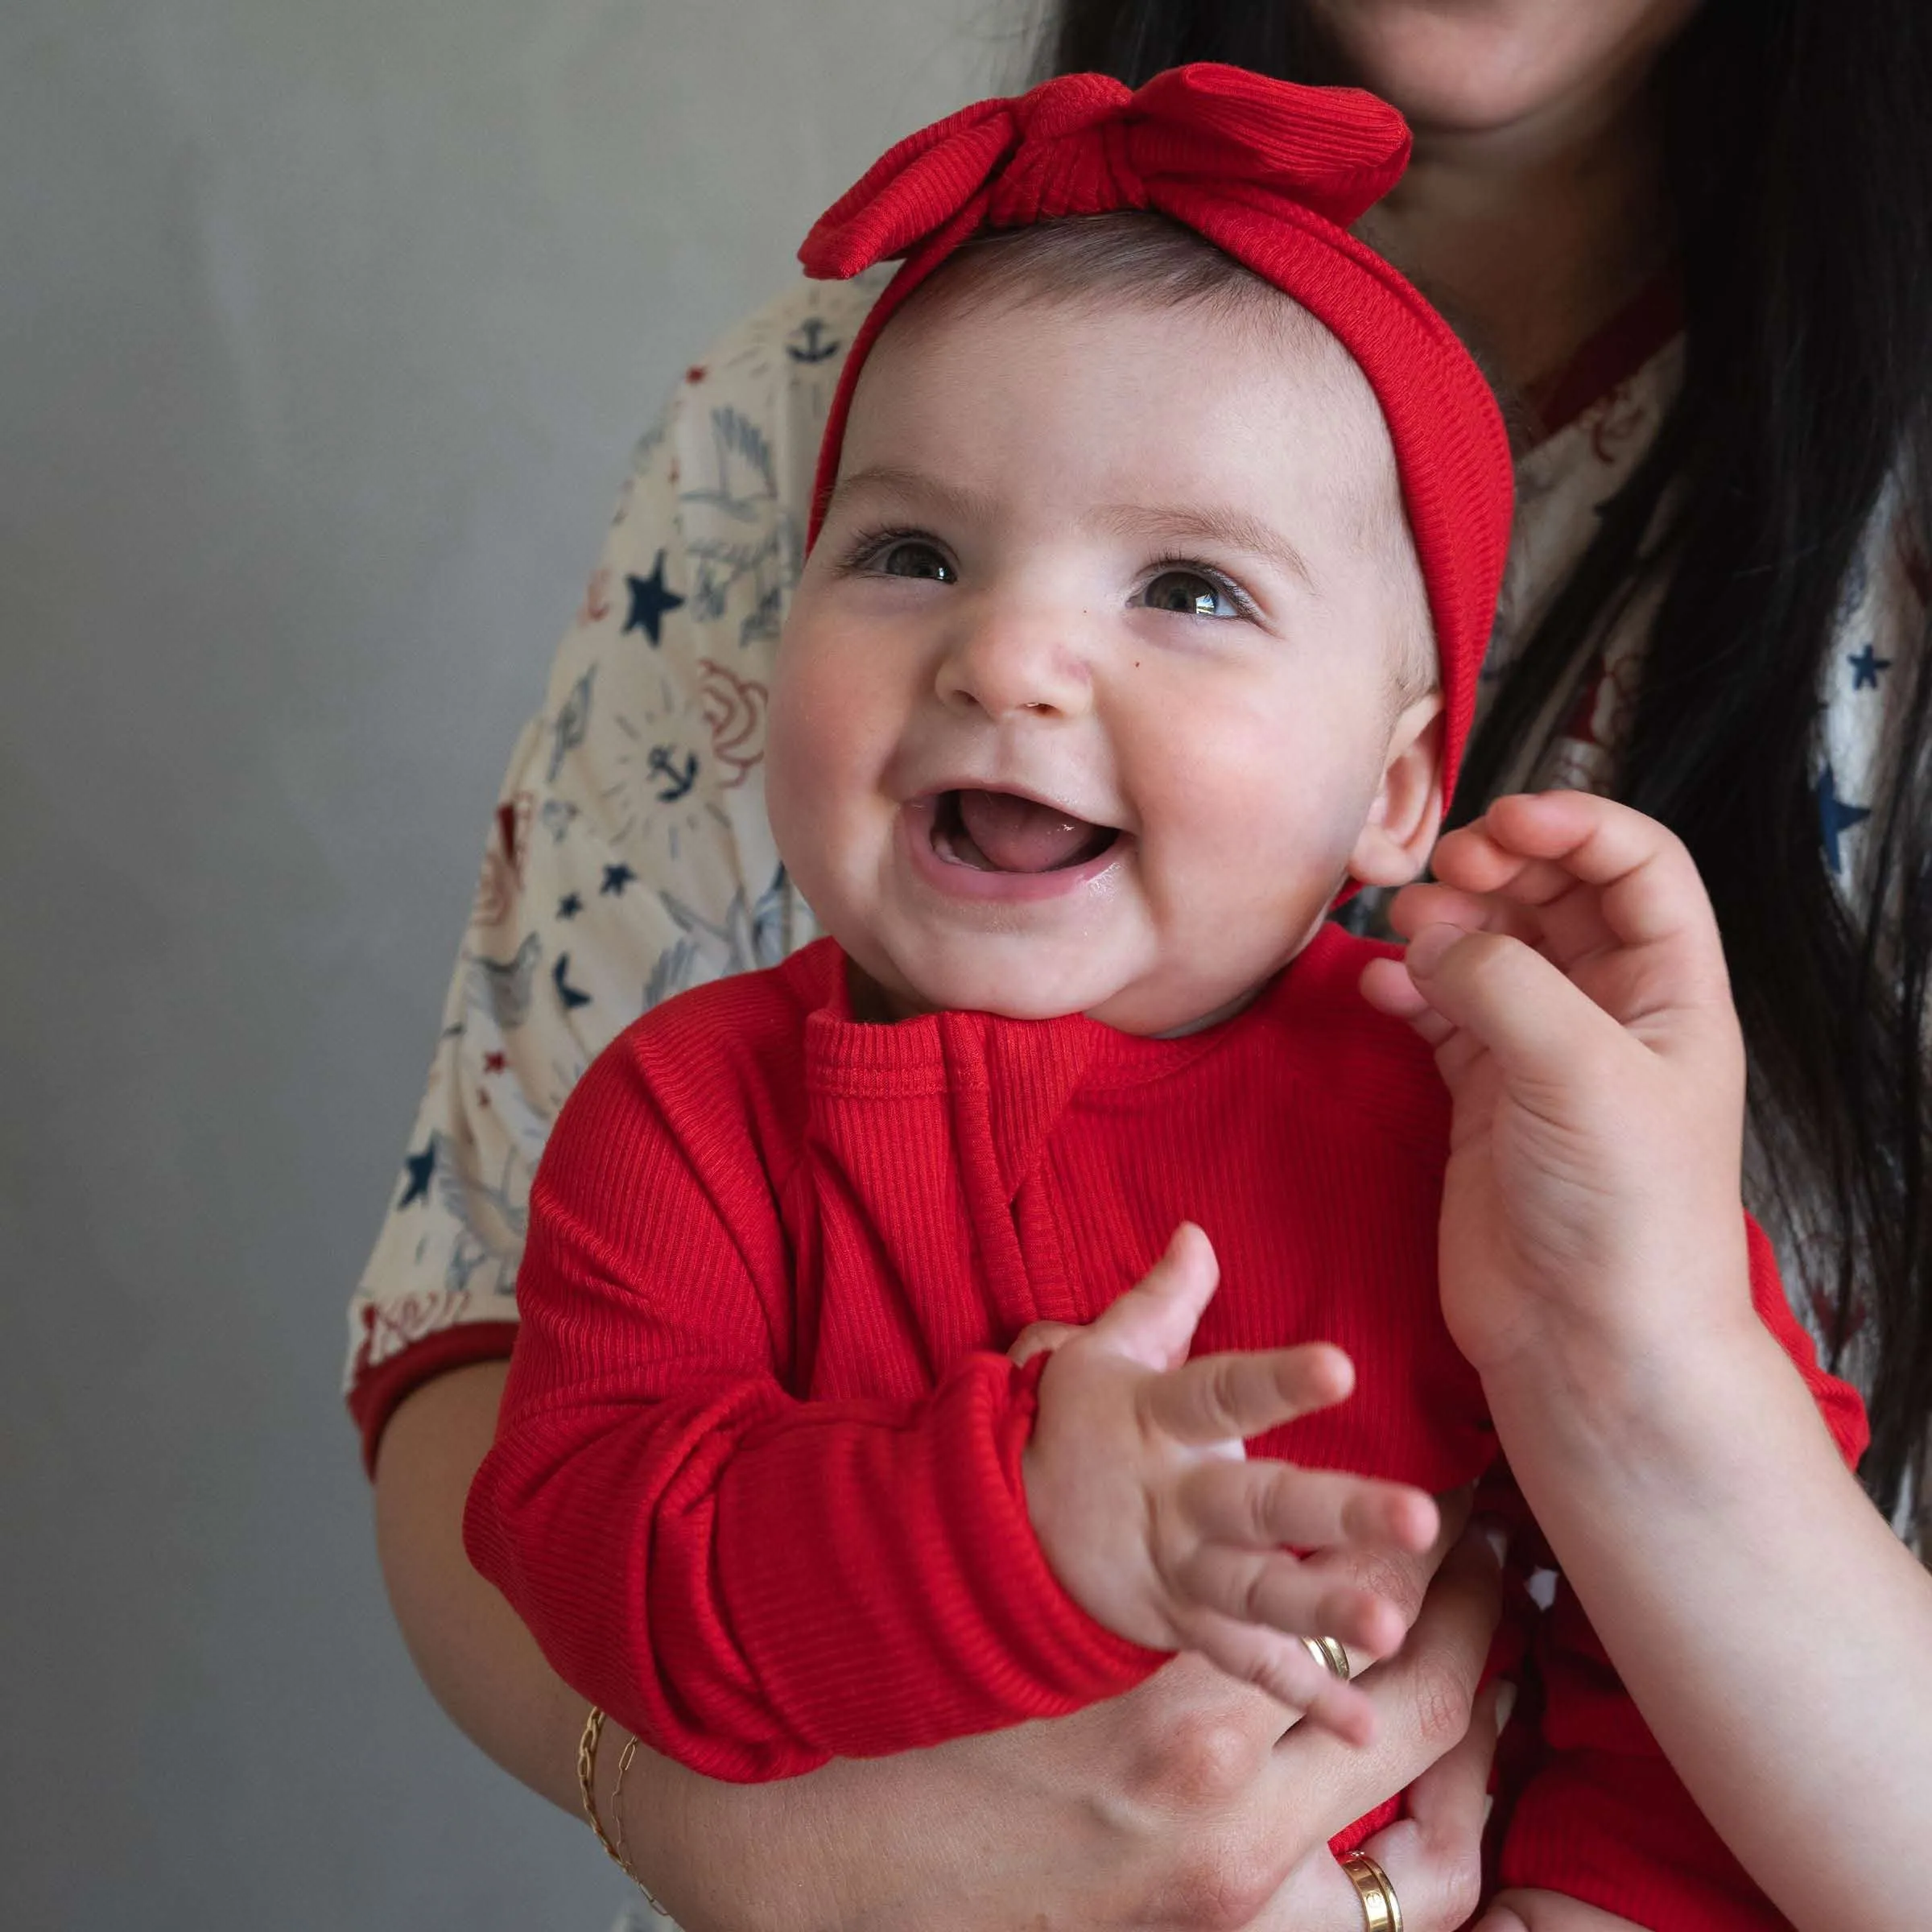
(1085, 144)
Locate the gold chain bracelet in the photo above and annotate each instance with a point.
(592, 1736)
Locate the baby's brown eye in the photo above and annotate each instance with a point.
(910, 557)
(1190, 593)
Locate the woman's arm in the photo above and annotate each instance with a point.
(1180, 1805)
(481, 1664)
(1775, 1635)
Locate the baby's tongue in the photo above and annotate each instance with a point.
(1015, 835)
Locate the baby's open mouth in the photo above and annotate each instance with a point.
(1001, 831)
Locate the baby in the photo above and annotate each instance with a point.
(1140, 623)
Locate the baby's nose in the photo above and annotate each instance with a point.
(1008, 664)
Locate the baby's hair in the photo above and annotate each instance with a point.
(1097, 261)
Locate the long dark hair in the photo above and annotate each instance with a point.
(1800, 166)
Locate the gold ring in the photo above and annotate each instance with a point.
(1330, 1655)
(1380, 1911)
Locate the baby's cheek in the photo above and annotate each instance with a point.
(803, 760)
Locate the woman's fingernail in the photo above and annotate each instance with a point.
(1505, 1704)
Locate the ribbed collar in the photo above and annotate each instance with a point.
(1026, 1070)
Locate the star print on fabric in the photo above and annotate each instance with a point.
(649, 601)
(419, 1167)
(1835, 816)
(494, 1063)
(616, 878)
(1866, 665)
(570, 905)
(567, 993)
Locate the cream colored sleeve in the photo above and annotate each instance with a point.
(629, 854)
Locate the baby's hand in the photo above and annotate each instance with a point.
(1567, 969)
(1157, 1524)
(1038, 1338)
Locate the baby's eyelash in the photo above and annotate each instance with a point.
(868, 545)
(1219, 579)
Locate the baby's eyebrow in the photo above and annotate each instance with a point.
(885, 479)
(1236, 528)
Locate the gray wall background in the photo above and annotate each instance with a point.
(325, 328)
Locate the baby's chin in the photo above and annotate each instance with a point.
(892, 993)
(885, 990)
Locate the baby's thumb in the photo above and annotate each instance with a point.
(1038, 1338)
(1153, 1322)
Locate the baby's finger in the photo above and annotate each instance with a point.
(1278, 1591)
(1038, 1338)
(1270, 1505)
(1285, 1669)
(1229, 1397)
(1154, 1321)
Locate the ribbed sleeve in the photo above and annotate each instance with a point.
(752, 1582)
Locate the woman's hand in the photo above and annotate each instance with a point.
(1432, 1856)
(1181, 1805)
(1567, 969)
(1774, 1634)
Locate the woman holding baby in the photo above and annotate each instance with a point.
(1690, 241)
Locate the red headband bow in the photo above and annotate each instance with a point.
(1271, 174)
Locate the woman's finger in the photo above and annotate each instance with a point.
(1434, 1856)
(1539, 1026)
(1566, 926)
(1438, 902)
(1422, 1696)
(1651, 891)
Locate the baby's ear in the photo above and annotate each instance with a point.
(1407, 812)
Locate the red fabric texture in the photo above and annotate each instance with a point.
(378, 1392)
(1272, 174)
(757, 1488)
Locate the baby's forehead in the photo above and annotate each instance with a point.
(1262, 396)
(1188, 329)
